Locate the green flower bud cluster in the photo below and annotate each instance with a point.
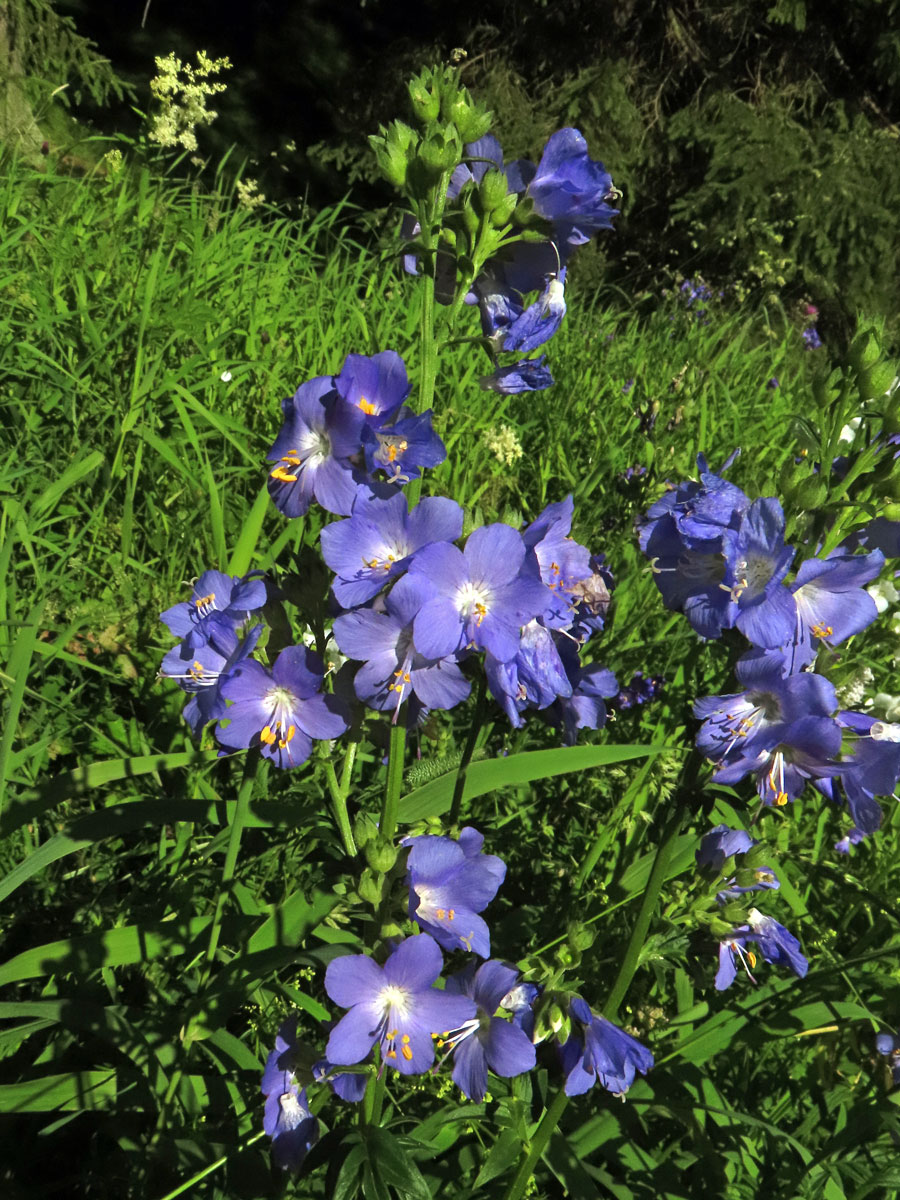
(445, 117)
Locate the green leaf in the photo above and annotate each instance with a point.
(392, 1164)
(79, 1091)
(435, 797)
(114, 948)
(502, 1156)
(251, 528)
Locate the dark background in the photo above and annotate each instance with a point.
(755, 142)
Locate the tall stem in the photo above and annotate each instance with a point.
(544, 1132)
(339, 793)
(468, 750)
(394, 785)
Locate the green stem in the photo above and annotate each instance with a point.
(468, 750)
(394, 785)
(339, 793)
(542, 1136)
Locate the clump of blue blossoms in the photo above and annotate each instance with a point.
(721, 559)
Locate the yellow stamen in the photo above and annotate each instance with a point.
(367, 406)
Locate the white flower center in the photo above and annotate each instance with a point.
(473, 600)
(394, 1000)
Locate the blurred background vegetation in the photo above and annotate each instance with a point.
(756, 142)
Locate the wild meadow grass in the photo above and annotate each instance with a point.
(149, 332)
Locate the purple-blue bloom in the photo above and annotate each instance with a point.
(218, 606)
(572, 190)
(831, 602)
(601, 1051)
(201, 673)
(806, 751)
(565, 566)
(757, 562)
(535, 678)
(287, 1119)
(529, 375)
(373, 386)
(394, 1005)
(375, 544)
(540, 321)
(743, 725)
(486, 1041)
(481, 596)
(776, 945)
(811, 338)
(871, 768)
(404, 447)
(313, 450)
(282, 710)
(394, 668)
(450, 883)
(722, 844)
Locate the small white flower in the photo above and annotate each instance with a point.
(225, 377)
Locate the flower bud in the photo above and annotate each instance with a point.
(874, 381)
(566, 956)
(425, 98)
(864, 350)
(494, 190)
(390, 930)
(370, 888)
(380, 856)
(580, 937)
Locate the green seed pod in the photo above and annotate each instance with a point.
(567, 957)
(380, 856)
(806, 494)
(493, 190)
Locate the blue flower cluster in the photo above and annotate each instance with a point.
(350, 435)
(279, 710)
(722, 560)
(483, 1016)
(574, 196)
(719, 855)
(528, 600)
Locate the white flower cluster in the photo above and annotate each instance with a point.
(182, 92)
(248, 194)
(503, 443)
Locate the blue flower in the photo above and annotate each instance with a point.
(776, 944)
(201, 673)
(831, 602)
(486, 1041)
(218, 606)
(313, 452)
(374, 546)
(394, 1005)
(757, 562)
(287, 1119)
(535, 678)
(743, 725)
(402, 448)
(394, 668)
(571, 190)
(481, 596)
(601, 1051)
(282, 710)
(722, 844)
(529, 375)
(373, 386)
(540, 321)
(811, 338)
(450, 883)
